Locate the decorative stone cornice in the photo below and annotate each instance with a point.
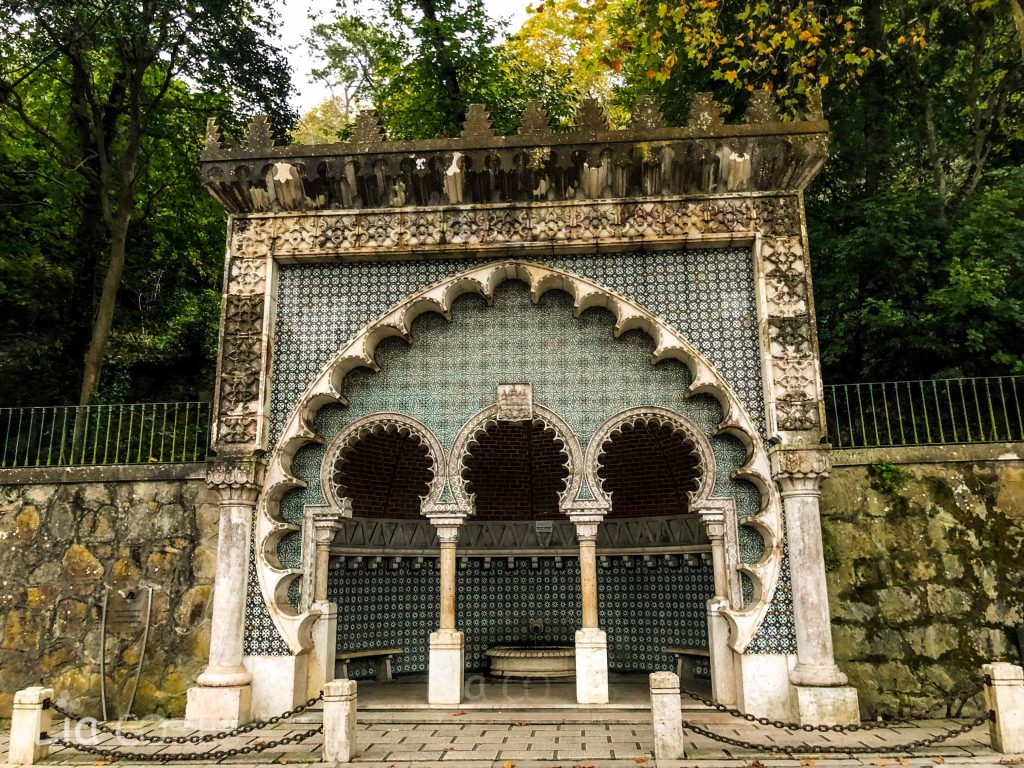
(236, 479)
(536, 164)
(800, 470)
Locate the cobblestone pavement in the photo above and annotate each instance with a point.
(482, 743)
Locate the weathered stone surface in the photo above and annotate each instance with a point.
(62, 545)
(925, 581)
(80, 564)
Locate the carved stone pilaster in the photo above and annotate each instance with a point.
(236, 480)
(244, 346)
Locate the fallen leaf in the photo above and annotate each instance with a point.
(938, 760)
(519, 722)
(101, 762)
(755, 763)
(807, 761)
(458, 714)
(639, 760)
(508, 764)
(903, 761)
(879, 762)
(284, 762)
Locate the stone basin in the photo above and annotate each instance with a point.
(541, 661)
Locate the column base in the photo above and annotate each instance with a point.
(723, 665)
(446, 668)
(815, 705)
(591, 666)
(325, 647)
(216, 709)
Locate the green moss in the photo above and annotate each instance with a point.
(890, 479)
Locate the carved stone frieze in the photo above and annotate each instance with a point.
(341, 232)
(790, 337)
(800, 470)
(251, 237)
(785, 276)
(247, 275)
(796, 415)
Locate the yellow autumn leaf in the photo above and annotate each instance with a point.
(731, 75)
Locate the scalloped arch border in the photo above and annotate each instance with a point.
(659, 416)
(384, 422)
(479, 423)
(327, 388)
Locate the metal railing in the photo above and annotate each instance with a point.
(925, 412)
(139, 433)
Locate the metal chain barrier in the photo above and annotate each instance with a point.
(258, 746)
(175, 756)
(194, 739)
(973, 690)
(836, 749)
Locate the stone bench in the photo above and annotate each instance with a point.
(378, 655)
(685, 658)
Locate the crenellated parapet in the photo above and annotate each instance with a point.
(539, 164)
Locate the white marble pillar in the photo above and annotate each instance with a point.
(447, 645)
(723, 664)
(820, 695)
(326, 523)
(223, 696)
(591, 642)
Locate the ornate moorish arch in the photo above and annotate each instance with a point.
(377, 423)
(657, 416)
(328, 388)
(488, 417)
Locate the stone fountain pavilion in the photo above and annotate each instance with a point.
(557, 389)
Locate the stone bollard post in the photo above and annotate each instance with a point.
(339, 721)
(30, 724)
(667, 714)
(1004, 695)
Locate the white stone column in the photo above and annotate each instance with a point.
(447, 645)
(30, 726)
(326, 523)
(667, 717)
(223, 696)
(1004, 695)
(591, 642)
(723, 664)
(339, 721)
(820, 695)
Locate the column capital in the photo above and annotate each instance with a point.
(799, 470)
(236, 479)
(327, 521)
(447, 523)
(713, 514)
(585, 511)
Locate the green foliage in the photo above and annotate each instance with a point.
(890, 478)
(100, 135)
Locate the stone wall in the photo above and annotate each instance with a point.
(924, 549)
(69, 536)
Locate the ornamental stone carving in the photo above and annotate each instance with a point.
(799, 471)
(236, 479)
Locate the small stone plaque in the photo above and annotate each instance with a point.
(515, 402)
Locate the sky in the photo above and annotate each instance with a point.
(296, 22)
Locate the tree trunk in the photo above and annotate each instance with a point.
(1018, 20)
(445, 69)
(105, 310)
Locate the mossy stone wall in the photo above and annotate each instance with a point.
(925, 566)
(63, 544)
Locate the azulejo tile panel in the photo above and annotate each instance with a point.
(450, 371)
(706, 294)
(643, 609)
